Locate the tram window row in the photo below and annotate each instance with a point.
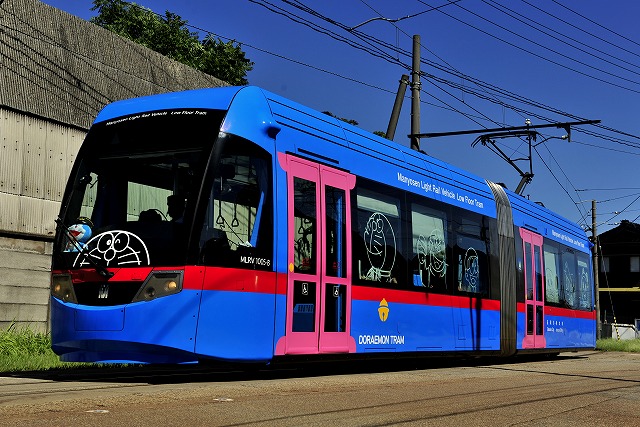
(403, 241)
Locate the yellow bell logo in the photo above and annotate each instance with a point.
(383, 310)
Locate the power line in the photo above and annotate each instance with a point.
(604, 148)
(559, 183)
(613, 199)
(578, 205)
(381, 18)
(624, 210)
(392, 59)
(388, 57)
(609, 189)
(537, 55)
(554, 16)
(473, 120)
(431, 52)
(529, 22)
(383, 50)
(594, 22)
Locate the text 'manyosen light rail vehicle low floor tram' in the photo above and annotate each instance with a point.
(232, 224)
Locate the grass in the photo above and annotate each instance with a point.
(612, 344)
(25, 350)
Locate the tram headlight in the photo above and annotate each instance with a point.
(62, 288)
(160, 284)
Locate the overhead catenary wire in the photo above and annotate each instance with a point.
(536, 25)
(579, 28)
(393, 54)
(596, 23)
(431, 52)
(576, 203)
(448, 69)
(540, 45)
(391, 58)
(484, 85)
(301, 6)
(623, 210)
(544, 58)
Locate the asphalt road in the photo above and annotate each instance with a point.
(585, 389)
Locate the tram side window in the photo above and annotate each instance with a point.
(470, 253)
(237, 228)
(519, 265)
(89, 197)
(569, 278)
(584, 290)
(378, 237)
(429, 264)
(304, 227)
(552, 272)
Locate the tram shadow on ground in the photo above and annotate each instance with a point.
(281, 369)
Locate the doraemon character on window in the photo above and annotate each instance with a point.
(115, 248)
(78, 234)
(380, 243)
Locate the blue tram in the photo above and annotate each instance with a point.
(233, 224)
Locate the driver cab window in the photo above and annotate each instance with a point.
(237, 229)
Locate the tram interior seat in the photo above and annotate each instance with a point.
(150, 215)
(216, 250)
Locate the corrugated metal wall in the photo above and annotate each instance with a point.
(35, 160)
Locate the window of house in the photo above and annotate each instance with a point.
(604, 264)
(634, 264)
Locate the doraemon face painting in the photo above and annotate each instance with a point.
(117, 248)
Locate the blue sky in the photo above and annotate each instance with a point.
(494, 63)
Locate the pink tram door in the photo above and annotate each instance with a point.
(319, 258)
(533, 290)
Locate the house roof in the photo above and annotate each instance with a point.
(622, 240)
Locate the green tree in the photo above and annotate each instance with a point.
(350, 121)
(170, 36)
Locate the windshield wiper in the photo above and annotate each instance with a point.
(97, 267)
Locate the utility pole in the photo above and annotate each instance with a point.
(397, 106)
(415, 94)
(596, 281)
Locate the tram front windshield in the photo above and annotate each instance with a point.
(134, 190)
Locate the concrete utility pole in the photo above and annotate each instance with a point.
(397, 106)
(596, 281)
(415, 94)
